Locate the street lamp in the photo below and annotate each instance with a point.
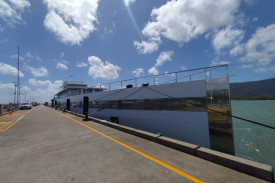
(25, 95)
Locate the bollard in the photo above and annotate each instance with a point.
(85, 105)
(68, 105)
(86, 117)
(64, 110)
(10, 112)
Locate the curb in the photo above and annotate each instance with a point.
(178, 145)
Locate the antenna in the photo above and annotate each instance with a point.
(18, 78)
(72, 78)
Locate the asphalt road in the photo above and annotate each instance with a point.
(48, 146)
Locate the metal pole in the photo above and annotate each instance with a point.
(136, 82)
(227, 72)
(15, 93)
(120, 84)
(176, 77)
(154, 80)
(18, 78)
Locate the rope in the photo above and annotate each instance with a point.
(96, 111)
(110, 94)
(102, 98)
(133, 93)
(121, 99)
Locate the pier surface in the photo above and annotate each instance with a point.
(47, 146)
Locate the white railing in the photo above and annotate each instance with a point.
(179, 76)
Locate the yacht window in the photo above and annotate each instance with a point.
(90, 91)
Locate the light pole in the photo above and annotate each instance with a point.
(25, 96)
(15, 85)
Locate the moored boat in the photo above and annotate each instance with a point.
(191, 106)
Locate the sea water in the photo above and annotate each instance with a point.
(252, 141)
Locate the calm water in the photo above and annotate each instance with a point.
(252, 141)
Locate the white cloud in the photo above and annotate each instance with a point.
(44, 94)
(72, 21)
(153, 71)
(25, 88)
(249, 66)
(164, 57)
(20, 4)
(38, 72)
(255, 19)
(109, 29)
(35, 82)
(1, 29)
(6, 86)
(57, 84)
(216, 62)
(31, 56)
(128, 2)
(81, 64)
(41, 95)
(61, 66)
(262, 69)
(9, 70)
(99, 69)
(62, 54)
(260, 48)
(11, 11)
(183, 68)
(146, 47)
(226, 38)
(184, 20)
(237, 50)
(138, 71)
(16, 57)
(6, 92)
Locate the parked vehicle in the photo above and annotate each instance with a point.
(25, 106)
(34, 103)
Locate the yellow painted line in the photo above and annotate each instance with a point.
(15, 122)
(6, 115)
(6, 127)
(5, 123)
(13, 115)
(139, 152)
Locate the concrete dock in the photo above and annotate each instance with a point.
(47, 146)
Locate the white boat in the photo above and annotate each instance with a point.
(188, 107)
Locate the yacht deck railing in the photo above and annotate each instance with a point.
(203, 73)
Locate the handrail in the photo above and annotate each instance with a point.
(170, 73)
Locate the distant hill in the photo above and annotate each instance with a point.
(262, 88)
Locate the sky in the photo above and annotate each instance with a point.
(101, 41)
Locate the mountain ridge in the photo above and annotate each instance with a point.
(261, 88)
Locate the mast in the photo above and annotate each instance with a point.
(18, 78)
